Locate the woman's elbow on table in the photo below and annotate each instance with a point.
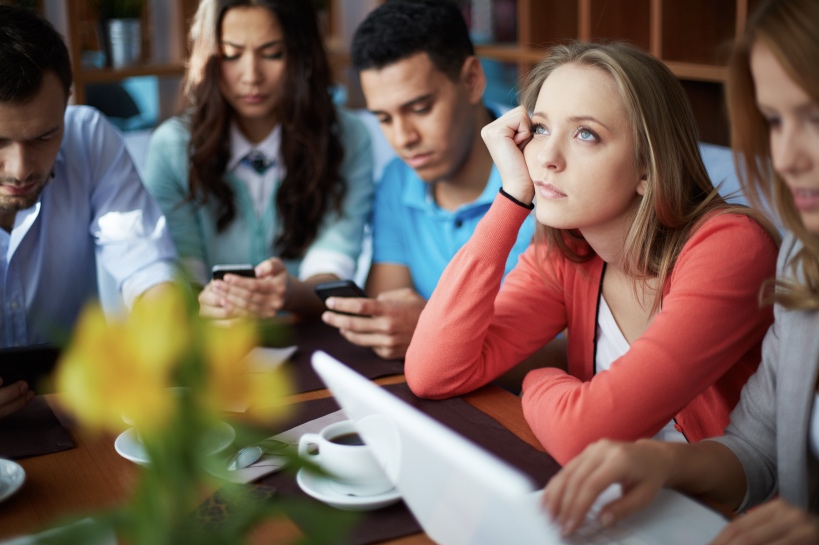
(424, 384)
(423, 378)
(440, 374)
(562, 445)
(563, 438)
(559, 416)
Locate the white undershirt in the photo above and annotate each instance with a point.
(813, 438)
(260, 186)
(611, 344)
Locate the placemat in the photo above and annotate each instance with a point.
(313, 335)
(32, 431)
(396, 521)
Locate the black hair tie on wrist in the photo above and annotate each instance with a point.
(529, 206)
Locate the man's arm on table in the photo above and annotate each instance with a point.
(384, 323)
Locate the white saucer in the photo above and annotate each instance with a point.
(130, 447)
(317, 487)
(12, 476)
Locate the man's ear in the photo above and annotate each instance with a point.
(474, 79)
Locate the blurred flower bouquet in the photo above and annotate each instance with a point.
(171, 375)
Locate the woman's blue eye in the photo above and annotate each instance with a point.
(537, 128)
(586, 134)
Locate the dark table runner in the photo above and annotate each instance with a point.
(396, 520)
(32, 431)
(314, 335)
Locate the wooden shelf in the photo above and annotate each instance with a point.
(511, 53)
(105, 75)
(164, 31)
(698, 72)
(531, 55)
(692, 37)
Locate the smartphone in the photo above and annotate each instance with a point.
(339, 288)
(219, 271)
(33, 364)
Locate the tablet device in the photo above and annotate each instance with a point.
(33, 364)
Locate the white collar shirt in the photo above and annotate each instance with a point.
(261, 187)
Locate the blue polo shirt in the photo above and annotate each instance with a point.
(410, 229)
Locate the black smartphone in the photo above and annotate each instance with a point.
(219, 271)
(33, 364)
(339, 288)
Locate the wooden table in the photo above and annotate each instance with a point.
(93, 476)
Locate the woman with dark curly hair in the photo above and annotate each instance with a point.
(261, 167)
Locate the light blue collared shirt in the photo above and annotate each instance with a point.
(249, 238)
(93, 208)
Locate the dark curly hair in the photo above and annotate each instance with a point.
(311, 148)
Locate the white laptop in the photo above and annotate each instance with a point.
(462, 494)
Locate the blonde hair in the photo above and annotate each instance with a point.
(788, 29)
(679, 193)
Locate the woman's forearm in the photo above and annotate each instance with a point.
(707, 470)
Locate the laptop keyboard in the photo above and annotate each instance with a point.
(591, 532)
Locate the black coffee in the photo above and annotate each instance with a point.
(351, 438)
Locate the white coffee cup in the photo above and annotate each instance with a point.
(339, 450)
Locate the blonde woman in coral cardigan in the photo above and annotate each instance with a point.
(653, 274)
(769, 455)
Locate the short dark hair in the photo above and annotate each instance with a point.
(29, 46)
(401, 28)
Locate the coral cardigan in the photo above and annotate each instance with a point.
(690, 364)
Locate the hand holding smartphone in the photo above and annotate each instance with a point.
(340, 288)
(247, 270)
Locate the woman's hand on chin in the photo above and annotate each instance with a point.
(505, 138)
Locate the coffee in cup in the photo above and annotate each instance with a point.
(339, 450)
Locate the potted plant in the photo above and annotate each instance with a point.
(120, 24)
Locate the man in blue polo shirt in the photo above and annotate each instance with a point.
(421, 79)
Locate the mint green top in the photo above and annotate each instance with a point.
(249, 237)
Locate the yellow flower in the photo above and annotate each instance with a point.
(233, 379)
(124, 368)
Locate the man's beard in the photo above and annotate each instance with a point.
(15, 203)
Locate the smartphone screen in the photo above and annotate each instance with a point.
(219, 271)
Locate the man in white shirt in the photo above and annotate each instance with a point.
(69, 196)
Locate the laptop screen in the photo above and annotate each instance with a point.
(456, 490)
(462, 494)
